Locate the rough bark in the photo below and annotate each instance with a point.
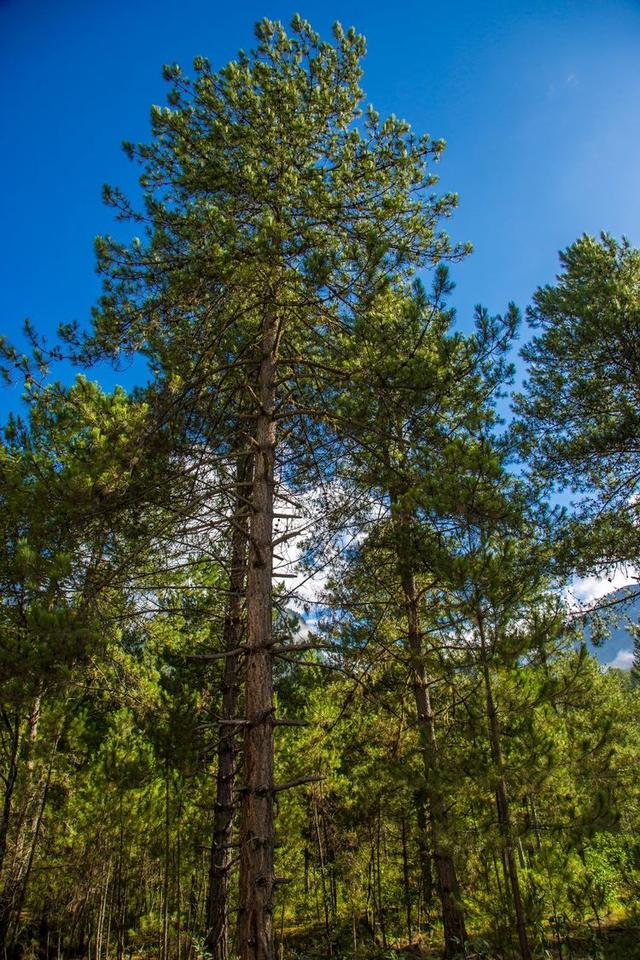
(217, 905)
(257, 841)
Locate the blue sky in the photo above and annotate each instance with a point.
(539, 103)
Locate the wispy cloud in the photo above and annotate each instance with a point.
(623, 660)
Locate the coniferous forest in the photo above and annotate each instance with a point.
(290, 666)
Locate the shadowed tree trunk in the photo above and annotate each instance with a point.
(502, 799)
(24, 827)
(453, 922)
(12, 725)
(406, 877)
(425, 900)
(29, 829)
(217, 906)
(257, 839)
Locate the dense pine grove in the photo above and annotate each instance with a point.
(290, 665)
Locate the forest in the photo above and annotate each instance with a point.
(290, 666)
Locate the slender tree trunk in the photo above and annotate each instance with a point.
(217, 906)
(165, 884)
(329, 858)
(179, 882)
(120, 901)
(542, 854)
(14, 820)
(426, 860)
(381, 911)
(102, 913)
(370, 904)
(502, 801)
(453, 923)
(257, 839)
(372, 889)
(18, 880)
(192, 913)
(321, 862)
(12, 724)
(406, 878)
(108, 937)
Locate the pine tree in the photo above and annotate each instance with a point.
(274, 209)
(579, 417)
(76, 493)
(416, 395)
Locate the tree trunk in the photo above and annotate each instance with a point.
(425, 900)
(179, 881)
(381, 910)
(102, 913)
(12, 725)
(406, 878)
(453, 922)
(120, 898)
(12, 820)
(165, 883)
(322, 865)
(27, 836)
(502, 801)
(217, 907)
(257, 841)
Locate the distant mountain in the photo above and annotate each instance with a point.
(621, 607)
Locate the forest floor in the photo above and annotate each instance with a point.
(615, 941)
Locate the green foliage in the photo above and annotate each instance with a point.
(444, 708)
(579, 416)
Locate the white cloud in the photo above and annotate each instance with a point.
(585, 591)
(623, 660)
